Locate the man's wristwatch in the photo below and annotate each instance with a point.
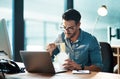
(82, 66)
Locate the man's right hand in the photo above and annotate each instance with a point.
(51, 47)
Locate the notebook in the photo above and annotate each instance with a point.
(39, 62)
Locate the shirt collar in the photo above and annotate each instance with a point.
(80, 35)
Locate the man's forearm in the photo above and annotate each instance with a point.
(92, 68)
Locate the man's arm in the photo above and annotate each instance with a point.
(71, 65)
(95, 56)
(92, 68)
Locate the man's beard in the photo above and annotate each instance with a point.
(70, 35)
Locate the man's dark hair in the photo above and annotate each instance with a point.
(72, 14)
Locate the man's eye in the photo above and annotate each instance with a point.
(63, 27)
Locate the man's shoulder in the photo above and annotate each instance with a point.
(85, 33)
(88, 35)
(60, 37)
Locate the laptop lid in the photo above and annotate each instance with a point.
(37, 61)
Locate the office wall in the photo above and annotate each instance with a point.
(91, 21)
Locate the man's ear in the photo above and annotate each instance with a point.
(78, 24)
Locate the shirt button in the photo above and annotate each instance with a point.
(76, 45)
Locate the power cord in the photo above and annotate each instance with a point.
(2, 75)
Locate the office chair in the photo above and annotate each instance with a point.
(107, 57)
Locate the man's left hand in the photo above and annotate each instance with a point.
(71, 65)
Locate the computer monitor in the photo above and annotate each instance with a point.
(4, 38)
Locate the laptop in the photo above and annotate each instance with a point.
(39, 62)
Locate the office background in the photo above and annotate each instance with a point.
(32, 24)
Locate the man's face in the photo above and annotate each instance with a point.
(70, 28)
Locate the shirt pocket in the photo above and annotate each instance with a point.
(81, 55)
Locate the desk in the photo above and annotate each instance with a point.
(66, 75)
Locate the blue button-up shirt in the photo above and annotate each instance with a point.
(85, 50)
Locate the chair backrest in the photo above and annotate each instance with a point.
(107, 57)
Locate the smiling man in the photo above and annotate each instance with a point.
(82, 47)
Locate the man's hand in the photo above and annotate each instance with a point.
(51, 47)
(71, 65)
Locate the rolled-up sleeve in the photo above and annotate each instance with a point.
(95, 53)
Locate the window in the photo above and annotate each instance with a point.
(90, 21)
(42, 19)
(6, 13)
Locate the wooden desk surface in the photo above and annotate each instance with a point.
(66, 75)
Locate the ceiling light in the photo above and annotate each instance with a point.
(102, 11)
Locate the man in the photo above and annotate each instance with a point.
(83, 48)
